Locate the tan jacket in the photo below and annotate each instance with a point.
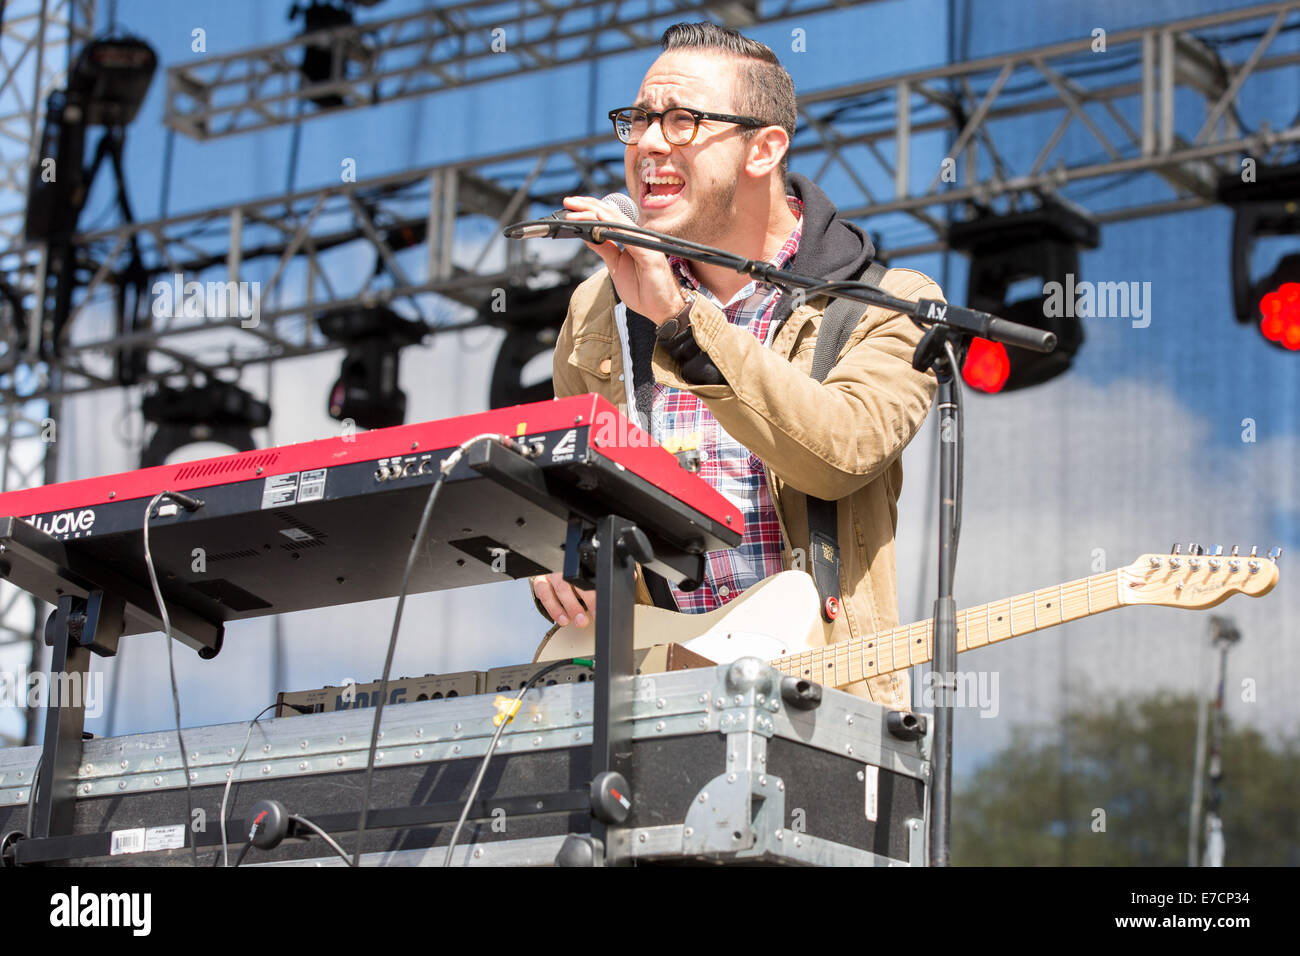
(840, 439)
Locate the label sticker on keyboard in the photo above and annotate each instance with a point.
(127, 841)
(280, 490)
(312, 486)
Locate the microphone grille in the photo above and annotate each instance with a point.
(624, 204)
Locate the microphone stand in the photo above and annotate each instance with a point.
(948, 324)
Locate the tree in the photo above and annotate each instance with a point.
(1109, 784)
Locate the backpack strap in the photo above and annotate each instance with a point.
(838, 322)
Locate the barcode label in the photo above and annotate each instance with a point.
(127, 841)
(312, 486)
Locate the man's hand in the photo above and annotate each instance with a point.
(564, 602)
(643, 278)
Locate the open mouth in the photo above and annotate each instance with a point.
(659, 189)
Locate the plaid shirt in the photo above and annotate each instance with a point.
(726, 464)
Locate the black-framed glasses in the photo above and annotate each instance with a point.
(679, 124)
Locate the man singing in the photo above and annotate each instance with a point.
(690, 349)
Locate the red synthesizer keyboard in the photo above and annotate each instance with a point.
(331, 522)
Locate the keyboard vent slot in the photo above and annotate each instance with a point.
(228, 466)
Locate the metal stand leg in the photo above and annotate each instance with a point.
(77, 627)
(65, 721)
(617, 544)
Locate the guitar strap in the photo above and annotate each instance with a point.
(840, 319)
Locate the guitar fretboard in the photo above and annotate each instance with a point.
(847, 661)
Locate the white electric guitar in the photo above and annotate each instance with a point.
(778, 619)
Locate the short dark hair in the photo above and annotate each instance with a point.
(764, 89)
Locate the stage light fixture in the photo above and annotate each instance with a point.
(56, 182)
(367, 387)
(111, 78)
(531, 319)
(216, 413)
(1279, 304)
(320, 58)
(1041, 245)
(1268, 206)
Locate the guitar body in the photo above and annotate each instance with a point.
(774, 618)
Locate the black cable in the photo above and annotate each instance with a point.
(444, 469)
(826, 288)
(190, 504)
(505, 718)
(243, 853)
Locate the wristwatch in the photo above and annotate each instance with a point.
(678, 322)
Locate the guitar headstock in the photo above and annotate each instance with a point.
(1198, 579)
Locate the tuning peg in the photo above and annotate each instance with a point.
(1274, 554)
(1177, 549)
(1216, 550)
(1195, 549)
(1235, 549)
(1253, 549)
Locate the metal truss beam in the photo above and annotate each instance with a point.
(1161, 107)
(37, 38)
(379, 242)
(1021, 125)
(444, 47)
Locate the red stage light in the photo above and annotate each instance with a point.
(986, 366)
(1280, 315)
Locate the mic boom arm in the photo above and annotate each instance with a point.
(930, 311)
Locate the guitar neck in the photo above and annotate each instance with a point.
(847, 661)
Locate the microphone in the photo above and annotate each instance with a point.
(555, 226)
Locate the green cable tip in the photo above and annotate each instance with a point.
(585, 662)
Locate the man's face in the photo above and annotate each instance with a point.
(687, 191)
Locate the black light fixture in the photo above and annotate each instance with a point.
(111, 77)
(1040, 244)
(108, 81)
(214, 413)
(320, 58)
(531, 319)
(367, 388)
(56, 183)
(1266, 206)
